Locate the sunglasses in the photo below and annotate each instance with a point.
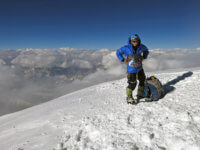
(135, 41)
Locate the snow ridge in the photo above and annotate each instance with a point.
(98, 118)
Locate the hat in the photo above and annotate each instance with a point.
(134, 36)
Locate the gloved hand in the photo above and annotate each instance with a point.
(125, 60)
(142, 58)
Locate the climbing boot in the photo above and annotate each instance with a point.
(140, 92)
(129, 98)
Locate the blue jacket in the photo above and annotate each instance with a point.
(127, 50)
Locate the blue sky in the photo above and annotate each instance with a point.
(92, 24)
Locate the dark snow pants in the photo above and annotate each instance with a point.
(133, 77)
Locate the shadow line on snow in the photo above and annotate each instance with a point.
(168, 88)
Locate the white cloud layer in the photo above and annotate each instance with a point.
(30, 76)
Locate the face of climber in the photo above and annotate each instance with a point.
(135, 42)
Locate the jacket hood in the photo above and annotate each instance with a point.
(133, 36)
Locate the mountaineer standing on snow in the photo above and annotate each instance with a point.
(133, 54)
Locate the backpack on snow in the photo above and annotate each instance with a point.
(153, 88)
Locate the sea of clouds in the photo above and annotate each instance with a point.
(32, 76)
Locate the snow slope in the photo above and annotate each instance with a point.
(98, 118)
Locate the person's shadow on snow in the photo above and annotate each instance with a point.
(168, 86)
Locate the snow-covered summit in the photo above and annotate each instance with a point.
(98, 118)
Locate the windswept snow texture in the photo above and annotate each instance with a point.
(98, 118)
